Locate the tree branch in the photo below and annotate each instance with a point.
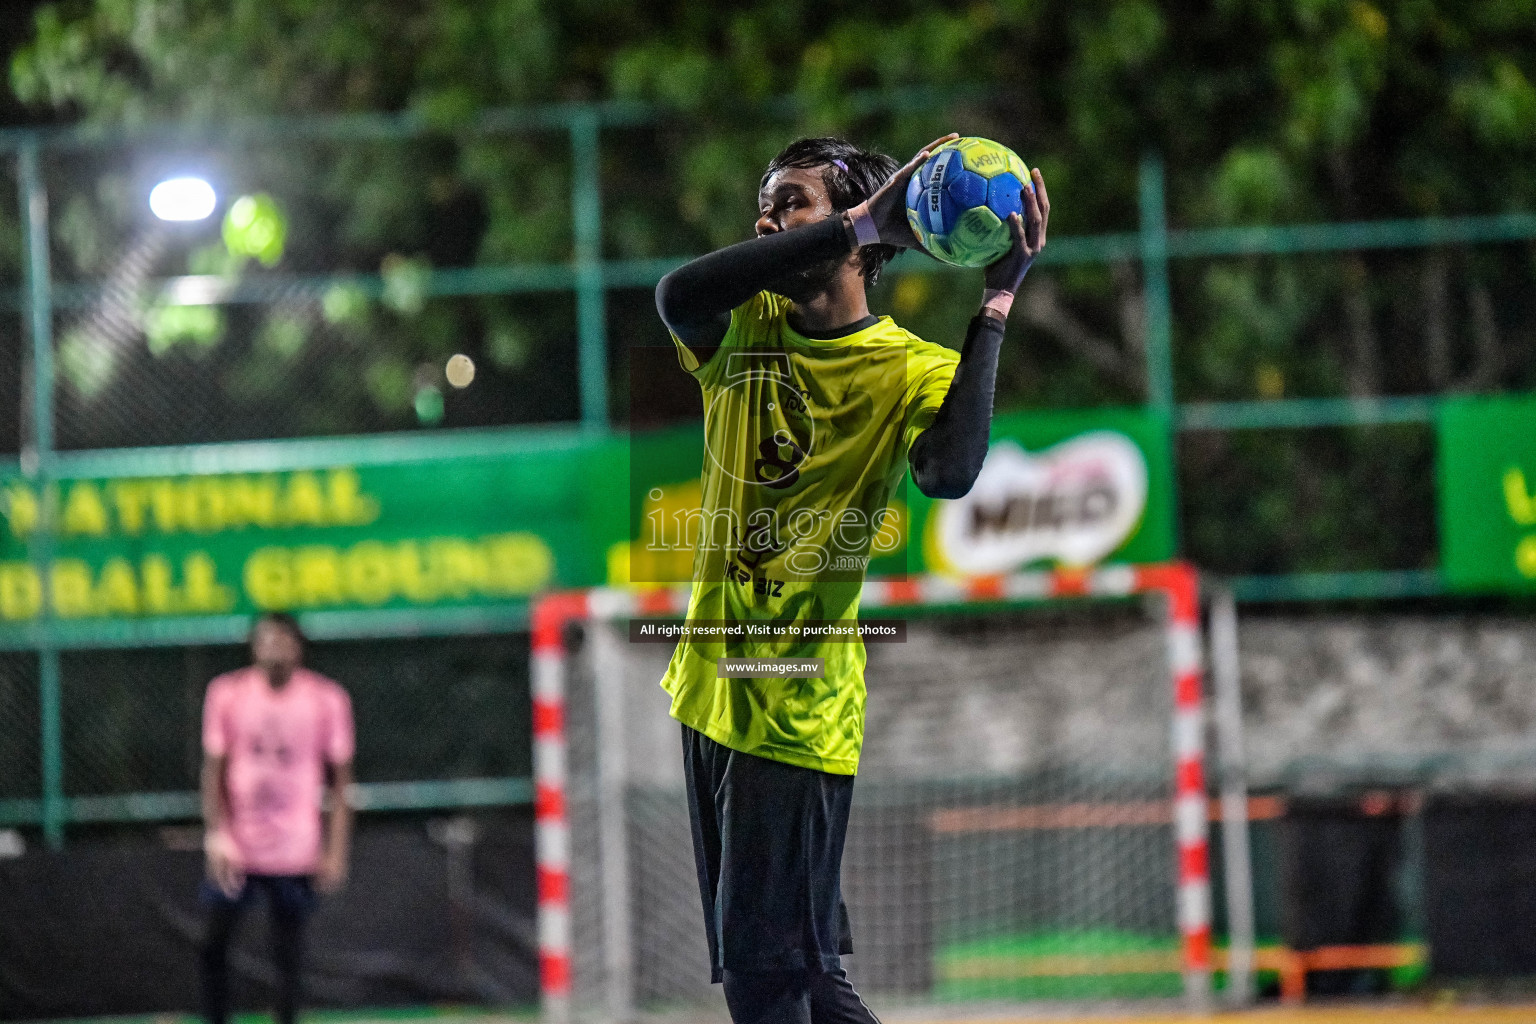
(1435, 284)
(1487, 358)
(1364, 370)
(1042, 308)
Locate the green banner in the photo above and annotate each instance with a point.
(483, 521)
(1487, 480)
(449, 531)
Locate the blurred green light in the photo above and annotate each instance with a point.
(429, 406)
(255, 226)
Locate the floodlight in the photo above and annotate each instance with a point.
(182, 199)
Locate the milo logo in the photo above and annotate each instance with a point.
(1075, 503)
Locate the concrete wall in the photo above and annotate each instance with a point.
(1447, 700)
(1328, 700)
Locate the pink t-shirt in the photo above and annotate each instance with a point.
(278, 743)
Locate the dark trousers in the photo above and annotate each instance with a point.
(290, 900)
(768, 845)
(812, 996)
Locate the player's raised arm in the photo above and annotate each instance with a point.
(696, 299)
(797, 229)
(946, 458)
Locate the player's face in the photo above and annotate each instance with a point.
(794, 197)
(273, 646)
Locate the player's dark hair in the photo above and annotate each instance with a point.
(851, 175)
(284, 620)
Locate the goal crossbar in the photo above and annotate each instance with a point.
(1188, 810)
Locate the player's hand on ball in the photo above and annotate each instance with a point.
(888, 206)
(1007, 273)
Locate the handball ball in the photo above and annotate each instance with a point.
(959, 200)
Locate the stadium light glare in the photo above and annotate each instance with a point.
(182, 199)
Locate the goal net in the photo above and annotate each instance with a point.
(1029, 821)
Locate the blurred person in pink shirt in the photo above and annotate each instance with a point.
(276, 736)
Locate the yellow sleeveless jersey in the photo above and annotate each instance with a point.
(805, 443)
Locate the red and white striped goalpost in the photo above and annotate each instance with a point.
(1177, 581)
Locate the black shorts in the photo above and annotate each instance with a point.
(768, 844)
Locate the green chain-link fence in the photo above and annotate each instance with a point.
(531, 240)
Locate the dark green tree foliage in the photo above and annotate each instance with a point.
(1265, 111)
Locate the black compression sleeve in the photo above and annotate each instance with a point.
(693, 299)
(947, 457)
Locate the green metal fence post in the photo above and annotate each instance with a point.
(587, 232)
(1154, 269)
(37, 462)
(50, 697)
(1158, 313)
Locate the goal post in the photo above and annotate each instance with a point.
(571, 918)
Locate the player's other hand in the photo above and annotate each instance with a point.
(224, 867)
(1007, 273)
(332, 874)
(888, 206)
